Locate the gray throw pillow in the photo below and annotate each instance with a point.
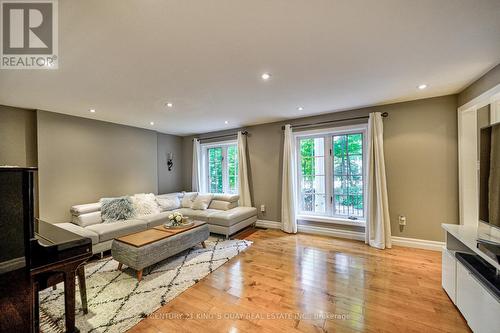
(114, 209)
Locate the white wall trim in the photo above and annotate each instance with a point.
(332, 220)
(418, 243)
(468, 181)
(268, 224)
(348, 234)
(481, 100)
(356, 235)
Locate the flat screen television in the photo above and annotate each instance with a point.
(489, 175)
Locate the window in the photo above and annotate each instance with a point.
(331, 173)
(220, 162)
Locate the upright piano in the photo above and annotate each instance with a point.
(33, 254)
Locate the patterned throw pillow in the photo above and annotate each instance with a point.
(145, 204)
(115, 209)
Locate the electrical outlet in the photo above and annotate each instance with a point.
(262, 208)
(402, 220)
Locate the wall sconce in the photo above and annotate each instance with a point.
(170, 161)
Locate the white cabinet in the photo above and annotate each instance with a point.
(477, 305)
(449, 274)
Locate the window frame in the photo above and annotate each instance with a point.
(225, 170)
(327, 134)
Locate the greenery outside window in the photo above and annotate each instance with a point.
(220, 162)
(331, 173)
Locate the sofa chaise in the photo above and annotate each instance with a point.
(223, 216)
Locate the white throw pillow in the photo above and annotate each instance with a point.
(187, 200)
(202, 201)
(169, 203)
(145, 204)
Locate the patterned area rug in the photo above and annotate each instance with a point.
(117, 301)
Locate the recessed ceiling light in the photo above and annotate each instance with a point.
(226, 122)
(152, 123)
(300, 108)
(92, 110)
(265, 76)
(169, 105)
(422, 86)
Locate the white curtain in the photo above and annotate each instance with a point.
(288, 186)
(196, 172)
(243, 185)
(378, 225)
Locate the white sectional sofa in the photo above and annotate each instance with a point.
(223, 216)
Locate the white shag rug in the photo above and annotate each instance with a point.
(117, 301)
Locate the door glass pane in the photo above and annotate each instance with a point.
(320, 203)
(355, 165)
(232, 169)
(313, 178)
(348, 175)
(215, 184)
(355, 143)
(313, 203)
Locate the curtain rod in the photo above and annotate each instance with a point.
(385, 114)
(222, 136)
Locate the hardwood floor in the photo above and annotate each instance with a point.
(306, 283)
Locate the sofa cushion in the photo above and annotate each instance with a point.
(107, 231)
(168, 195)
(167, 203)
(144, 204)
(232, 216)
(84, 220)
(85, 208)
(222, 205)
(226, 197)
(114, 209)
(188, 198)
(84, 232)
(202, 201)
(201, 215)
(155, 220)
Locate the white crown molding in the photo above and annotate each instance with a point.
(356, 235)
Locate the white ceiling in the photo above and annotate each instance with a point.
(128, 58)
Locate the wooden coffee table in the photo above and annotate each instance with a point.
(145, 248)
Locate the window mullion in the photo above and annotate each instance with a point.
(298, 199)
(225, 176)
(206, 168)
(328, 167)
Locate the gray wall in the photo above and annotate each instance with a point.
(484, 83)
(421, 161)
(17, 136)
(421, 152)
(170, 181)
(81, 160)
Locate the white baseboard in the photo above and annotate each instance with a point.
(340, 233)
(356, 235)
(268, 224)
(418, 243)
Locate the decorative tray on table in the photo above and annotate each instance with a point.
(183, 225)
